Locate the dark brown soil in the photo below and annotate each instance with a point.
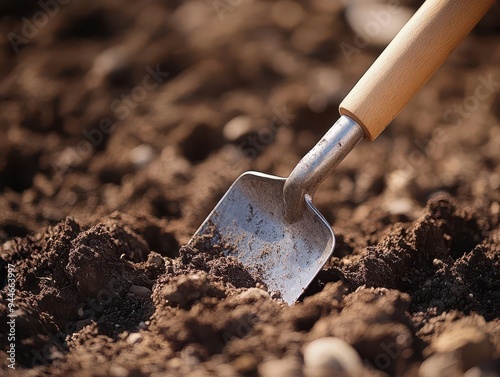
(99, 191)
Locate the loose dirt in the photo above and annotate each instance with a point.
(125, 122)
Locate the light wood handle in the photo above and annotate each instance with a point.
(413, 56)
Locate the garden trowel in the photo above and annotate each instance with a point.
(270, 223)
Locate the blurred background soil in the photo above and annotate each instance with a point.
(124, 122)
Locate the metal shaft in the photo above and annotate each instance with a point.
(316, 165)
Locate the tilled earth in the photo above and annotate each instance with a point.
(125, 122)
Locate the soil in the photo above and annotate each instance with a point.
(125, 122)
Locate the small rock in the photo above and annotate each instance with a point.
(156, 259)
(280, 368)
(377, 23)
(105, 64)
(398, 206)
(245, 363)
(253, 294)
(142, 325)
(124, 335)
(331, 356)
(174, 362)
(134, 338)
(141, 155)
(470, 344)
(445, 365)
(495, 208)
(118, 371)
(328, 81)
(140, 291)
(81, 311)
(237, 127)
(487, 370)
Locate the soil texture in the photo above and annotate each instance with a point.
(123, 124)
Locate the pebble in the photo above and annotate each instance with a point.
(495, 208)
(140, 291)
(107, 62)
(331, 356)
(118, 371)
(81, 311)
(156, 259)
(141, 155)
(124, 335)
(244, 364)
(237, 127)
(445, 365)
(470, 344)
(142, 325)
(253, 294)
(280, 368)
(398, 206)
(377, 23)
(134, 338)
(486, 371)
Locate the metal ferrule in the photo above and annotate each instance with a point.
(316, 165)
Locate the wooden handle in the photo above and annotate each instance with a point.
(413, 56)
